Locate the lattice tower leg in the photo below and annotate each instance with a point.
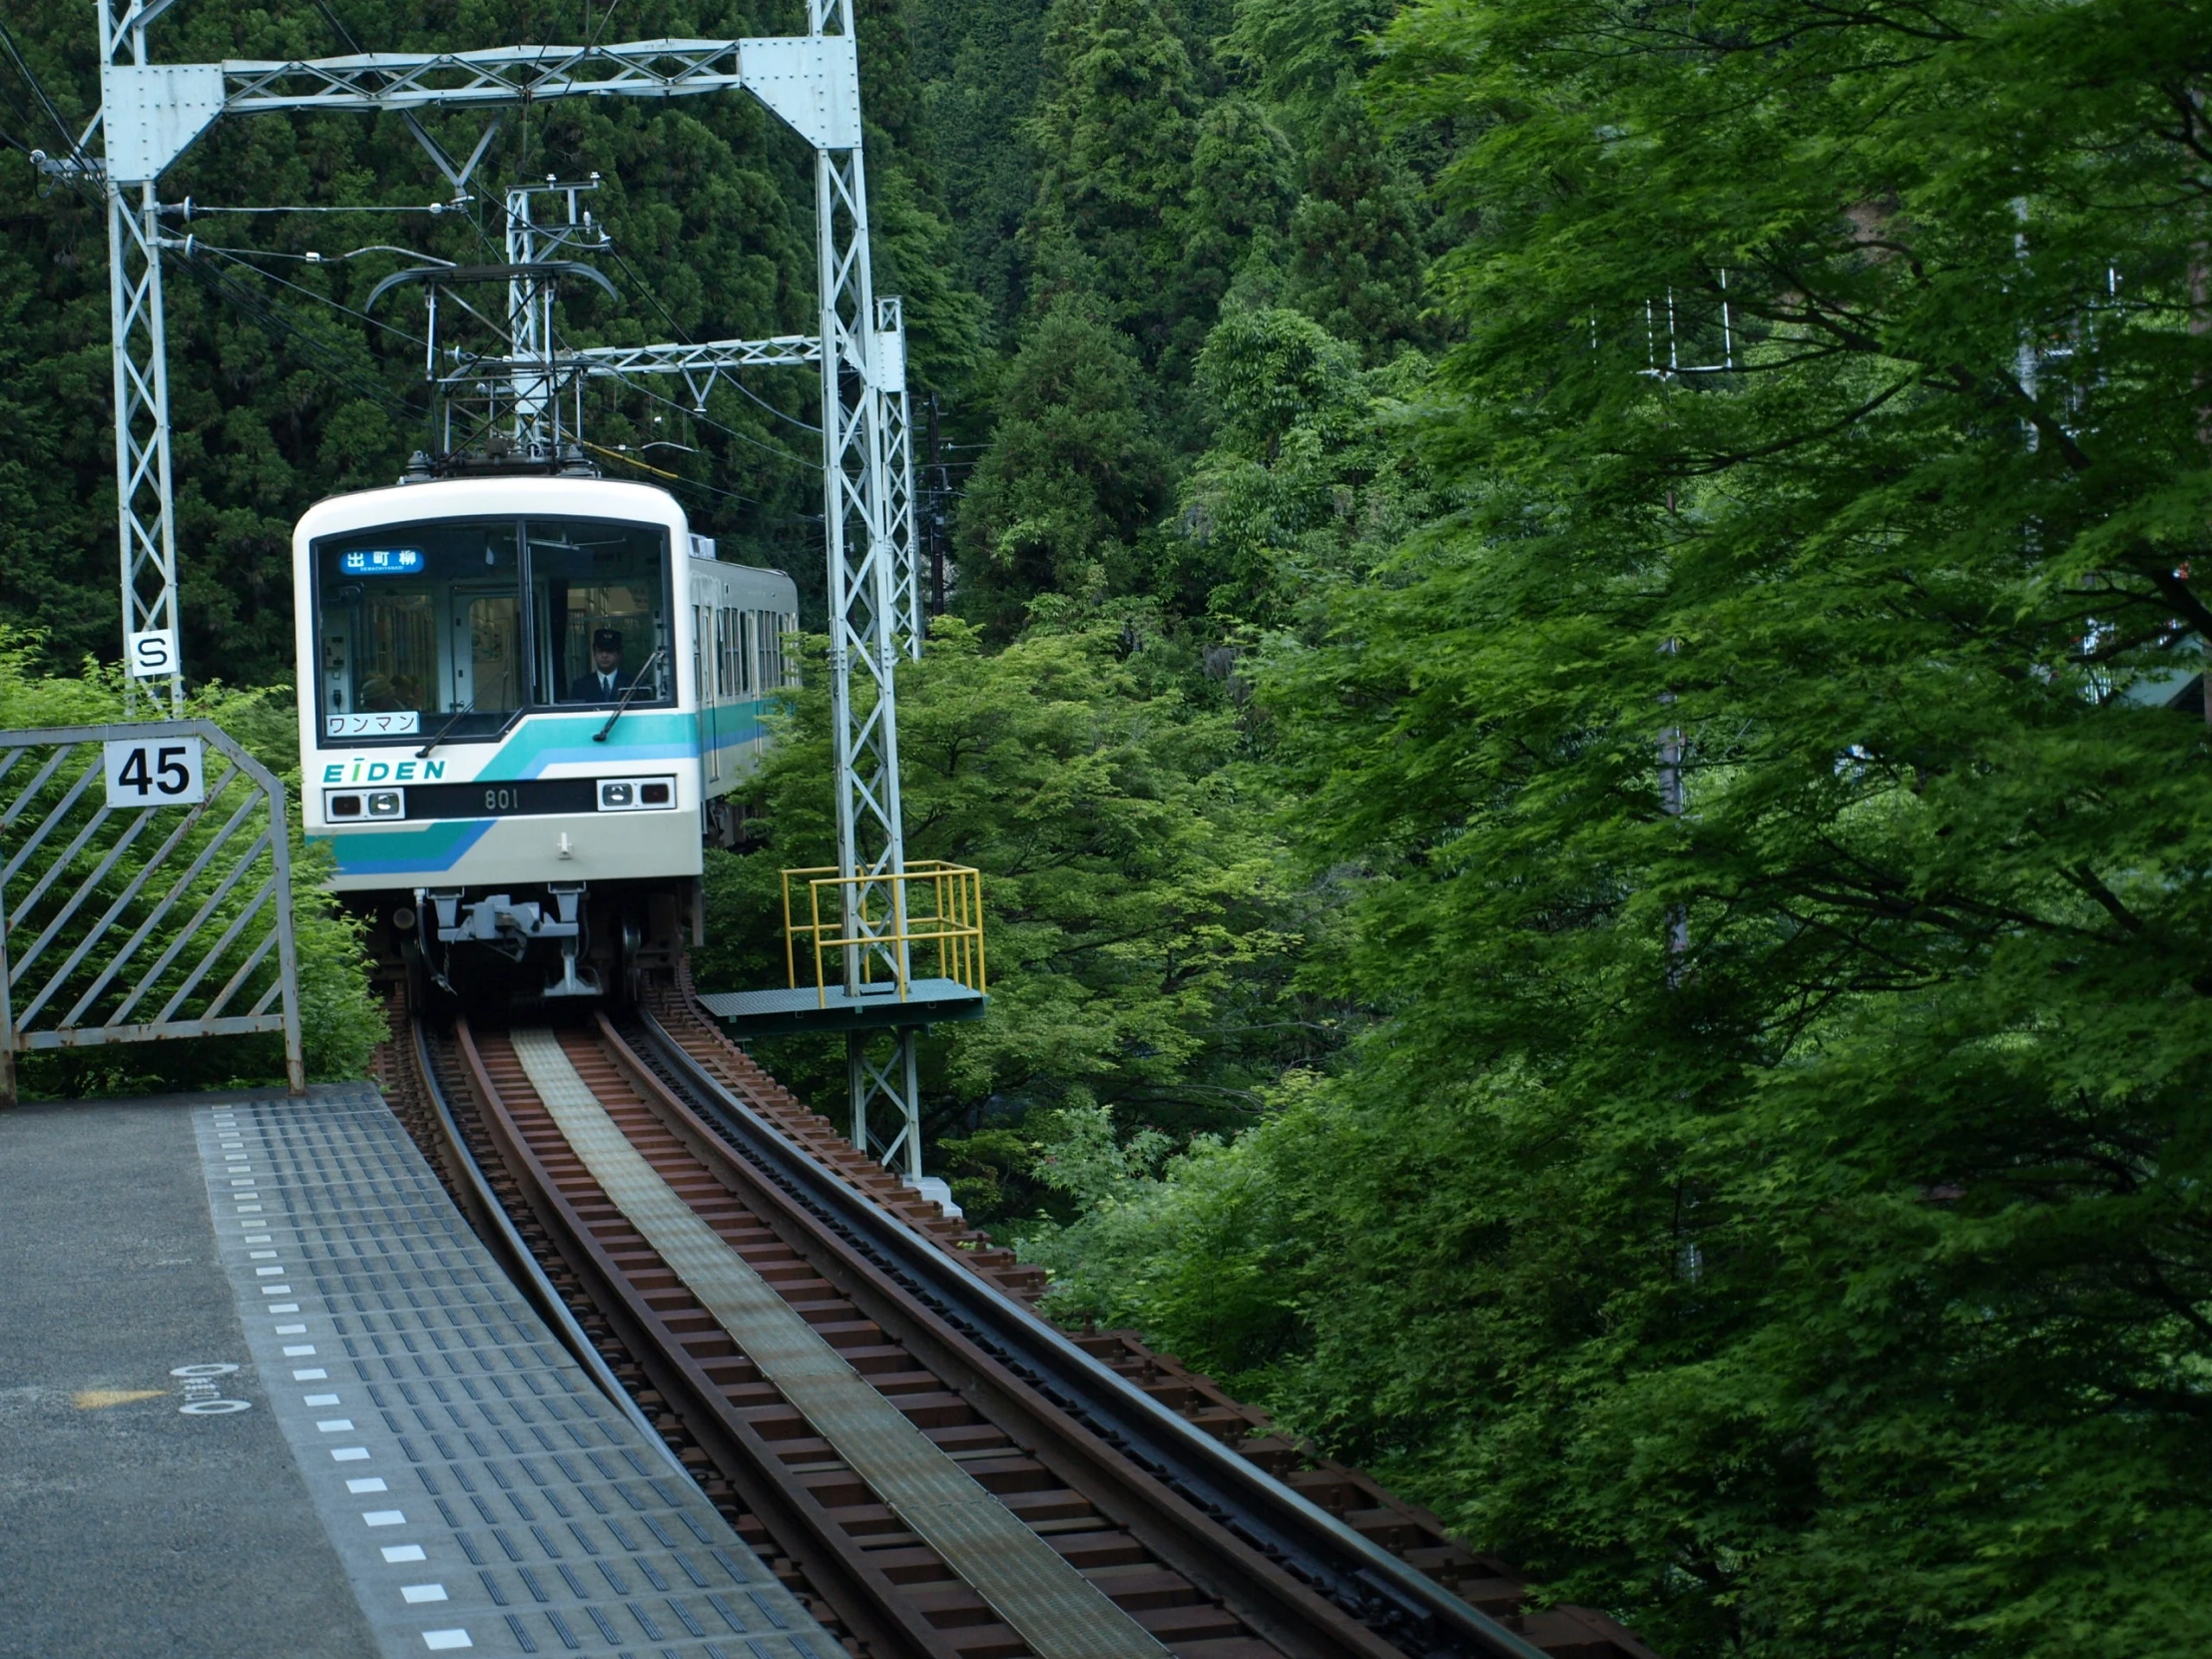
(884, 1086)
(901, 523)
(531, 333)
(863, 613)
(146, 521)
(864, 639)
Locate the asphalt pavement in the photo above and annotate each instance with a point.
(131, 1525)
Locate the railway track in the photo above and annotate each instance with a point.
(859, 1384)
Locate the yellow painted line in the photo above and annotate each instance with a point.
(1055, 1609)
(93, 1399)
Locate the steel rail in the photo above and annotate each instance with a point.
(1186, 1535)
(865, 1599)
(1184, 1540)
(492, 1222)
(1395, 1601)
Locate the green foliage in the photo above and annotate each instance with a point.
(980, 61)
(1309, 482)
(1241, 194)
(1357, 252)
(1073, 476)
(1774, 1205)
(1114, 130)
(1134, 919)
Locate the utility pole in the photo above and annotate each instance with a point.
(146, 516)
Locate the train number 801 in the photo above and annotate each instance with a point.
(503, 801)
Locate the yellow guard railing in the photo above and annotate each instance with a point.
(931, 903)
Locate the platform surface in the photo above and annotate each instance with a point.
(262, 1392)
(783, 1013)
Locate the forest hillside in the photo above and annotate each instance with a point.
(1573, 651)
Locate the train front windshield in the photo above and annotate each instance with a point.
(456, 626)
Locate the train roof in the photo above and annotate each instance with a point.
(457, 498)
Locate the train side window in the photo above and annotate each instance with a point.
(775, 624)
(698, 655)
(749, 621)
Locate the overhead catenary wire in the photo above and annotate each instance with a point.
(38, 89)
(202, 210)
(678, 480)
(244, 299)
(684, 334)
(327, 357)
(695, 483)
(344, 34)
(705, 420)
(199, 245)
(629, 270)
(605, 18)
(242, 257)
(320, 299)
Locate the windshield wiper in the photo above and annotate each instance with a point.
(451, 721)
(600, 736)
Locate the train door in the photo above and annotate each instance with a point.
(486, 653)
(711, 620)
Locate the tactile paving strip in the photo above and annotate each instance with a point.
(1056, 1610)
(481, 1493)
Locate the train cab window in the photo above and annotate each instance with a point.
(599, 598)
(419, 627)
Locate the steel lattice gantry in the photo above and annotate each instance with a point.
(152, 113)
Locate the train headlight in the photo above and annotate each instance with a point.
(386, 803)
(637, 795)
(342, 806)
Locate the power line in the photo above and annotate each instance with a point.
(343, 33)
(328, 357)
(237, 257)
(684, 334)
(704, 420)
(606, 18)
(433, 207)
(773, 515)
(38, 90)
(320, 299)
(7, 136)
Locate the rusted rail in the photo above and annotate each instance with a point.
(1196, 1589)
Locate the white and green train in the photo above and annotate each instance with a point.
(524, 703)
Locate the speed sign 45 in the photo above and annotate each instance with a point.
(155, 771)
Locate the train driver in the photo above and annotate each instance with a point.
(605, 682)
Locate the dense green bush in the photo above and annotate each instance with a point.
(1136, 930)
